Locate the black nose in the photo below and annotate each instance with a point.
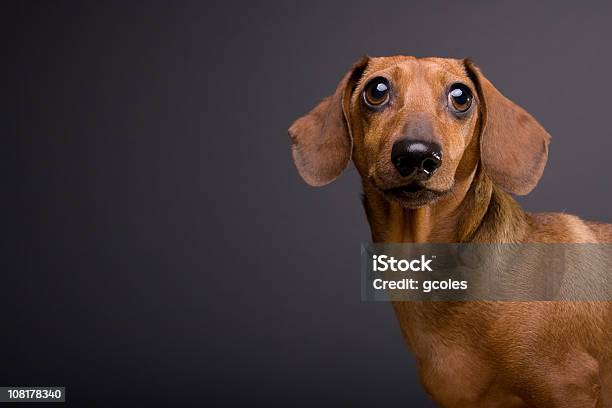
(410, 156)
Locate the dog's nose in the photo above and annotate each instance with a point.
(409, 156)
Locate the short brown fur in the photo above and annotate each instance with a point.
(469, 354)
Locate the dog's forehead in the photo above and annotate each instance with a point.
(429, 68)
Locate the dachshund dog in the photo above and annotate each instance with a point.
(440, 152)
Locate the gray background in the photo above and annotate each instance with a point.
(157, 239)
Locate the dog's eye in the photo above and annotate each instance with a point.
(460, 97)
(376, 92)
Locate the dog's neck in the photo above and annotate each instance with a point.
(475, 210)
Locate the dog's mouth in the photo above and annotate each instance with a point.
(412, 195)
(413, 187)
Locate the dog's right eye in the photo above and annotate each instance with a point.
(376, 93)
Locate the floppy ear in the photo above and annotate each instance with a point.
(321, 140)
(513, 145)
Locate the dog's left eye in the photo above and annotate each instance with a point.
(460, 98)
(376, 93)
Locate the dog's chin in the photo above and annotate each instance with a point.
(413, 195)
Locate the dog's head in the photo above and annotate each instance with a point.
(413, 126)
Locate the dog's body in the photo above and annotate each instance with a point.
(474, 148)
(505, 354)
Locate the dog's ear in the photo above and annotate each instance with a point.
(322, 143)
(513, 145)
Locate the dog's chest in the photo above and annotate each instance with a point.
(446, 367)
(452, 367)
(457, 375)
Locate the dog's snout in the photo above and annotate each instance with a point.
(410, 156)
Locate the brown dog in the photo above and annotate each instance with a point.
(440, 151)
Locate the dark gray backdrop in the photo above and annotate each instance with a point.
(158, 244)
